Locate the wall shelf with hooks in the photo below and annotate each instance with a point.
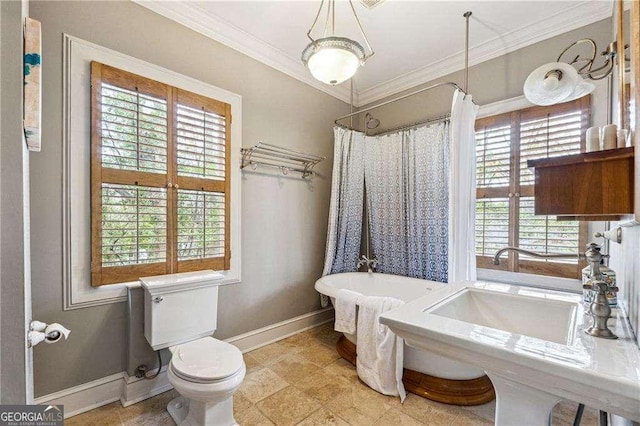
(285, 159)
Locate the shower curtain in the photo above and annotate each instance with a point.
(420, 198)
(462, 257)
(407, 183)
(345, 211)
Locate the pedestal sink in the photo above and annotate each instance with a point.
(531, 344)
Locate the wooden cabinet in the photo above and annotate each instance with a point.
(590, 186)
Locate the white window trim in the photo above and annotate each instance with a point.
(558, 283)
(77, 57)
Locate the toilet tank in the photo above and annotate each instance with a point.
(181, 307)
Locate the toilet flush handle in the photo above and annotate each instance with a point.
(158, 299)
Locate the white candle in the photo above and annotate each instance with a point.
(609, 136)
(593, 139)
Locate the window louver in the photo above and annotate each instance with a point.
(133, 131)
(492, 225)
(545, 234)
(134, 226)
(201, 143)
(493, 155)
(550, 136)
(200, 225)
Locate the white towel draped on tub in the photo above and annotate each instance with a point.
(345, 307)
(380, 351)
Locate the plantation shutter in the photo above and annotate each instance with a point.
(505, 187)
(202, 167)
(159, 178)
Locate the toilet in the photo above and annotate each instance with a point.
(180, 313)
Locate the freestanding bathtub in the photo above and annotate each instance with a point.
(426, 374)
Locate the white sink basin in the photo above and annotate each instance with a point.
(545, 319)
(532, 345)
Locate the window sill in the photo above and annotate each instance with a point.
(540, 281)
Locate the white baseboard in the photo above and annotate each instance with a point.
(85, 397)
(130, 390)
(136, 389)
(272, 333)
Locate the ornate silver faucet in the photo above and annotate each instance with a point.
(371, 263)
(599, 308)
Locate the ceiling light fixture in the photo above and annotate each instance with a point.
(333, 59)
(559, 81)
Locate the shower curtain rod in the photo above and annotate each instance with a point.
(466, 16)
(424, 89)
(416, 124)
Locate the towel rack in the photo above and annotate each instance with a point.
(287, 160)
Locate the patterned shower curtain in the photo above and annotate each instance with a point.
(407, 183)
(345, 211)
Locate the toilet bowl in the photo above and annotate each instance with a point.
(206, 373)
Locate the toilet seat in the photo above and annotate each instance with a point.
(206, 360)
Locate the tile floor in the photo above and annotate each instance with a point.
(302, 380)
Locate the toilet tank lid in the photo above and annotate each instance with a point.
(181, 281)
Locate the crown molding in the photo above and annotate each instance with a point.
(579, 15)
(192, 17)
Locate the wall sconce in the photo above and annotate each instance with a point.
(564, 81)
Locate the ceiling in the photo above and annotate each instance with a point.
(414, 41)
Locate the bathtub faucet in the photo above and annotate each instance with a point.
(371, 263)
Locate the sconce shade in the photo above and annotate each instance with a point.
(582, 89)
(553, 83)
(333, 60)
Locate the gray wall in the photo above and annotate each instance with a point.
(491, 81)
(283, 219)
(13, 275)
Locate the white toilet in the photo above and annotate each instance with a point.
(180, 313)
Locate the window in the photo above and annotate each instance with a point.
(160, 178)
(505, 187)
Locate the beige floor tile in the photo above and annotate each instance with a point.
(252, 417)
(564, 413)
(467, 418)
(429, 412)
(151, 419)
(486, 411)
(325, 334)
(324, 386)
(271, 353)
(395, 417)
(287, 407)
(297, 340)
(364, 400)
(261, 384)
(251, 363)
(240, 404)
(344, 369)
(323, 417)
(319, 354)
(355, 417)
(294, 368)
(105, 415)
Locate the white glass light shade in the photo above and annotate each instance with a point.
(333, 60)
(582, 89)
(551, 83)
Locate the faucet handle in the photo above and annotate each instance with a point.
(600, 286)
